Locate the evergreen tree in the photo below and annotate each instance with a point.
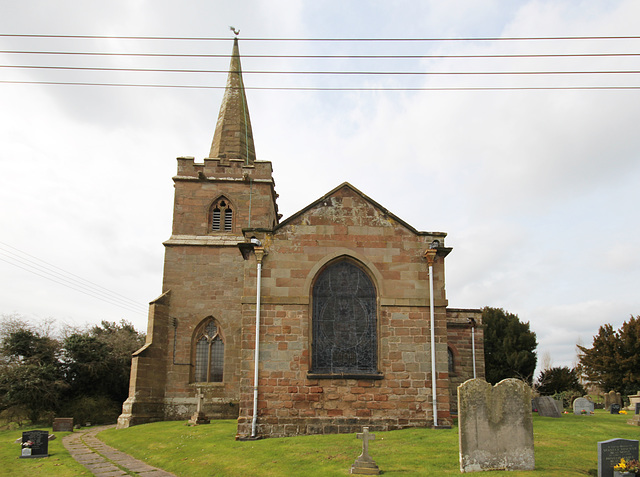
(559, 380)
(613, 361)
(509, 346)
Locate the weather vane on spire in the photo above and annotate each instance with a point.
(235, 32)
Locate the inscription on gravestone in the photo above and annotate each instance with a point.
(610, 452)
(35, 444)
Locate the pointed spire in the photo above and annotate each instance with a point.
(233, 138)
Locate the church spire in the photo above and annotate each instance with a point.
(233, 138)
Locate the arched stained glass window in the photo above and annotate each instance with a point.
(344, 321)
(209, 355)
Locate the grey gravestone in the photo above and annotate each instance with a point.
(610, 452)
(612, 397)
(364, 464)
(559, 405)
(546, 406)
(495, 426)
(63, 424)
(615, 409)
(35, 444)
(583, 404)
(638, 408)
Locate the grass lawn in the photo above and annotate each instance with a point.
(563, 447)
(58, 464)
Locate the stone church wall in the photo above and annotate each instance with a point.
(459, 342)
(291, 399)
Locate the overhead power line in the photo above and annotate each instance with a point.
(335, 73)
(44, 269)
(263, 39)
(337, 57)
(312, 88)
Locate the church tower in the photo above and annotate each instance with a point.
(332, 319)
(194, 329)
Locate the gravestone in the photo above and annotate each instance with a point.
(546, 406)
(635, 420)
(495, 426)
(610, 452)
(583, 404)
(612, 397)
(35, 444)
(364, 464)
(63, 424)
(615, 409)
(559, 405)
(199, 417)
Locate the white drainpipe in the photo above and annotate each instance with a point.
(430, 255)
(434, 376)
(473, 348)
(259, 254)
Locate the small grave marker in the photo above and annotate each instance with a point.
(364, 464)
(199, 417)
(35, 444)
(610, 452)
(583, 406)
(63, 424)
(615, 409)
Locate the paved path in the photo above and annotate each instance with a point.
(105, 461)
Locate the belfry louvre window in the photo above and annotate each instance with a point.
(209, 355)
(344, 321)
(221, 216)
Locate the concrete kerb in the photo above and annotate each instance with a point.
(105, 461)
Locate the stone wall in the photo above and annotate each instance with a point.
(459, 342)
(294, 401)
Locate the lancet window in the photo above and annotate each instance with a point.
(221, 216)
(209, 354)
(344, 321)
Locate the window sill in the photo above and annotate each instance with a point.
(364, 376)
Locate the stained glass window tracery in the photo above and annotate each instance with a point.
(344, 321)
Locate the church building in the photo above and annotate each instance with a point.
(332, 319)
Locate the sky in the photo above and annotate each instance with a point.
(536, 188)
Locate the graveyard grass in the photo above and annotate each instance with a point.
(563, 447)
(58, 464)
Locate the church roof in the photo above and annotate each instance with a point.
(367, 199)
(233, 138)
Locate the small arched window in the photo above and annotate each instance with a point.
(221, 216)
(209, 354)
